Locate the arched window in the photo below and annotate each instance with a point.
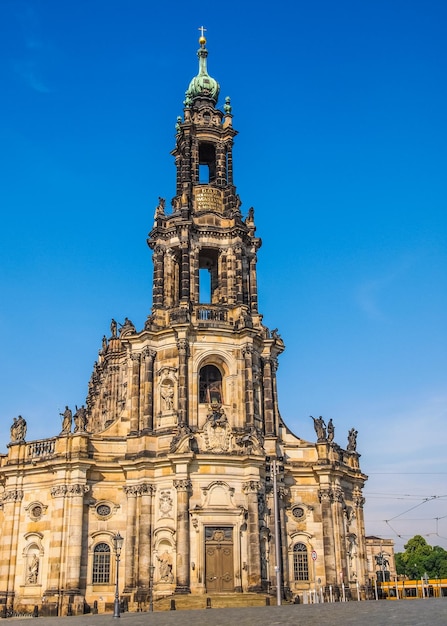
(101, 563)
(210, 385)
(300, 562)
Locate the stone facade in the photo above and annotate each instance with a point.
(181, 442)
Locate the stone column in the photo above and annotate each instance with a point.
(11, 500)
(178, 186)
(253, 285)
(56, 543)
(231, 277)
(75, 493)
(270, 501)
(220, 164)
(115, 392)
(239, 276)
(248, 376)
(183, 551)
(274, 366)
(129, 540)
(169, 279)
(147, 421)
(340, 539)
(282, 498)
(223, 275)
(268, 396)
(135, 393)
(183, 348)
(194, 160)
(251, 490)
(230, 163)
(195, 274)
(325, 497)
(145, 535)
(185, 273)
(359, 501)
(157, 291)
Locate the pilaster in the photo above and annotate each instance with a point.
(183, 488)
(251, 490)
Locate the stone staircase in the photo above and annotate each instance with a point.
(186, 602)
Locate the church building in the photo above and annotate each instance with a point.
(180, 447)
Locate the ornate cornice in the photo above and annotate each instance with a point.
(183, 484)
(183, 346)
(78, 489)
(148, 353)
(252, 486)
(325, 495)
(13, 495)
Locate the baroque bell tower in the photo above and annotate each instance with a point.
(205, 289)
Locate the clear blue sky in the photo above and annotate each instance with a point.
(342, 151)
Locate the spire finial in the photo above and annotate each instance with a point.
(202, 40)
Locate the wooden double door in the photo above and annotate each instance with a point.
(219, 563)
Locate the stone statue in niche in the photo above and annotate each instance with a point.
(167, 396)
(165, 567)
(33, 570)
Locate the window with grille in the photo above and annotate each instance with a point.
(101, 563)
(210, 385)
(300, 562)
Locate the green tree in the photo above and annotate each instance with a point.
(420, 558)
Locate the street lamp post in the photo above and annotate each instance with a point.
(151, 587)
(117, 545)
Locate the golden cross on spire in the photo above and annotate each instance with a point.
(202, 30)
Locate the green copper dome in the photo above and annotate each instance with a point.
(202, 85)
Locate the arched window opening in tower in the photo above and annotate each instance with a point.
(210, 385)
(208, 277)
(207, 163)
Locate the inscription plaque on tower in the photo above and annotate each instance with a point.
(208, 199)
